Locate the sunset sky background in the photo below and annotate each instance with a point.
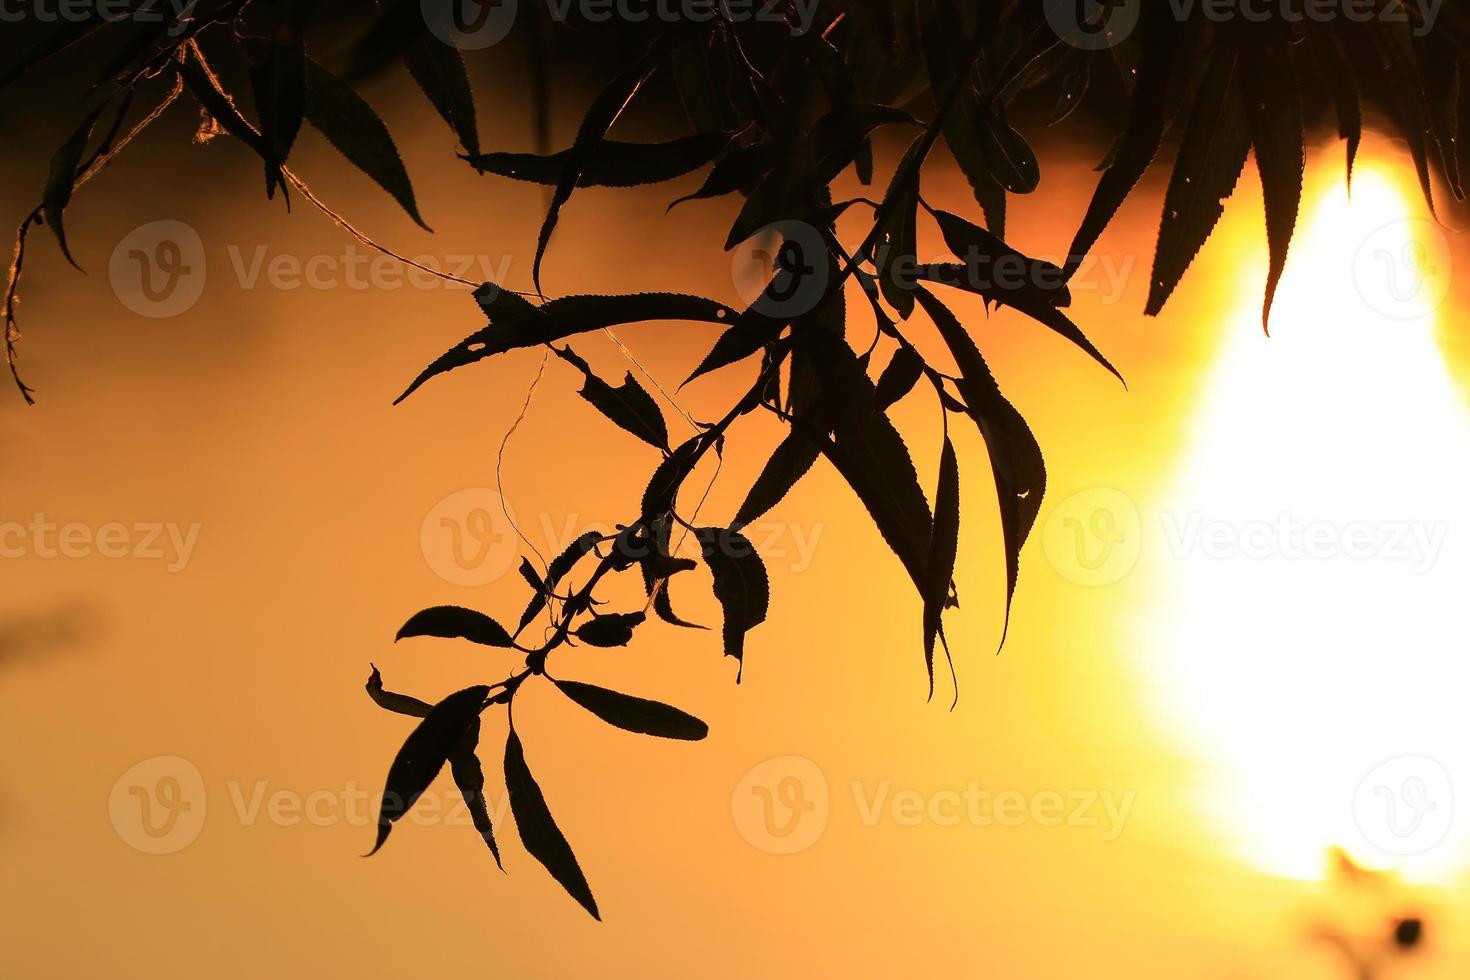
(1237, 703)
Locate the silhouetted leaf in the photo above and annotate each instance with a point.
(539, 832)
(739, 168)
(1145, 129)
(896, 249)
(1010, 158)
(823, 151)
(1211, 157)
(841, 89)
(898, 378)
(439, 70)
(943, 549)
(516, 323)
(869, 452)
(402, 704)
(659, 568)
(469, 776)
(663, 487)
(741, 584)
(1015, 457)
(610, 629)
(424, 753)
(558, 569)
(351, 125)
(1002, 275)
(635, 714)
(702, 76)
(61, 178)
(1399, 84)
(278, 79)
(1010, 277)
(213, 101)
(746, 337)
(1342, 84)
(612, 164)
(627, 406)
(942, 58)
(456, 622)
(604, 111)
(1274, 116)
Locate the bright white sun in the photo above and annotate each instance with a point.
(1314, 648)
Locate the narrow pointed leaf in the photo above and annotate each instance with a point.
(424, 753)
(1015, 457)
(61, 178)
(604, 111)
(439, 71)
(558, 569)
(514, 323)
(1273, 112)
(1211, 157)
(469, 776)
(1340, 80)
(628, 406)
(741, 584)
(539, 832)
(612, 163)
(896, 249)
(1147, 117)
(943, 549)
(351, 125)
(635, 714)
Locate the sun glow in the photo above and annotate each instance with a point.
(1313, 554)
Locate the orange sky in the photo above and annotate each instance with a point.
(261, 418)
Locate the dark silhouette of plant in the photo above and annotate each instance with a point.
(777, 113)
